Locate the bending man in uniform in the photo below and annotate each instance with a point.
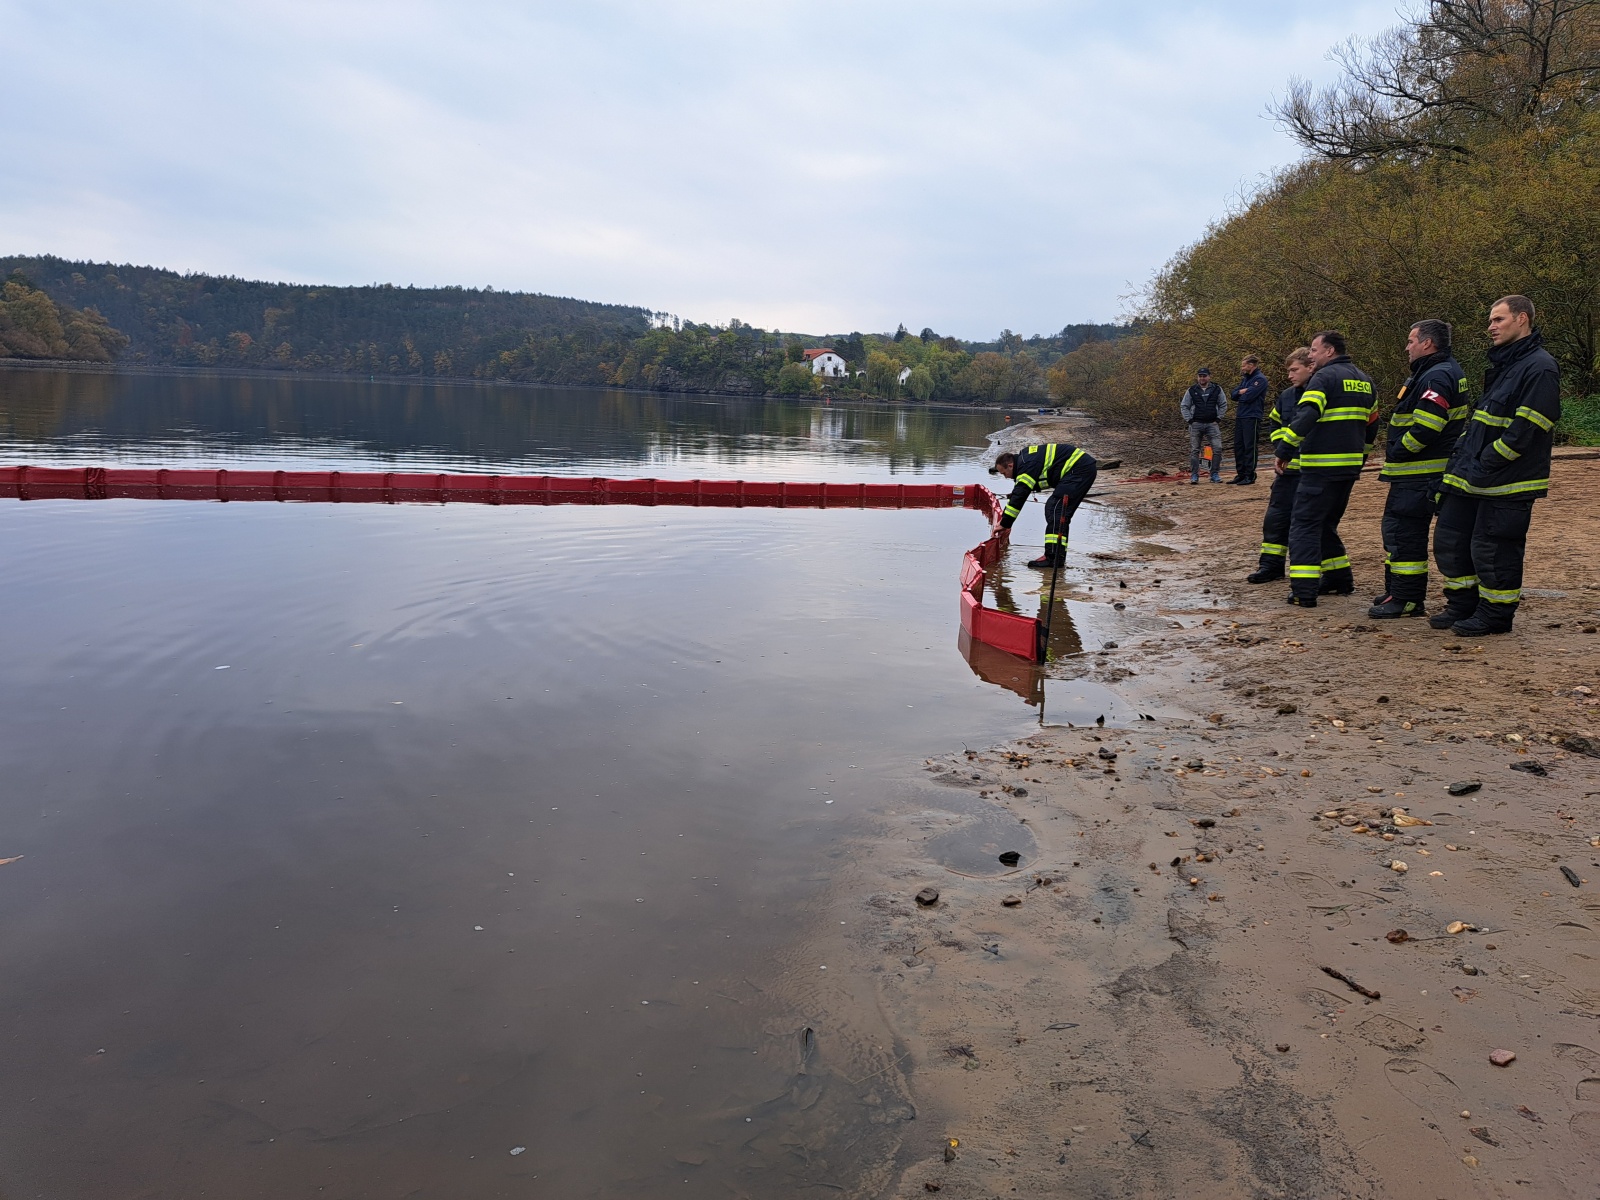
(1500, 467)
(1068, 472)
(1286, 480)
(1333, 427)
(1427, 420)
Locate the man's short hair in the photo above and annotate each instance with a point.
(1431, 329)
(1331, 338)
(1252, 360)
(1517, 304)
(1005, 459)
(1300, 354)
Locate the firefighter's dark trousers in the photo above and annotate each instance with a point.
(1246, 438)
(1275, 525)
(1479, 543)
(1059, 506)
(1407, 516)
(1316, 555)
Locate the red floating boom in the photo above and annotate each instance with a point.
(1004, 631)
(394, 487)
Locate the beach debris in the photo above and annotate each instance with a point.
(1459, 927)
(928, 896)
(1283, 1047)
(1060, 1025)
(1398, 867)
(14, 858)
(1464, 788)
(1404, 820)
(1010, 857)
(1481, 1132)
(1143, 1139)
(1369, 993)
(1463, 994)
(1468, 969)
(1470, 1159)
(964, 1051)
(1532, 768)
(1108, 754)
(1203, 823)
(1579, 744)
(1572, 876)
(1502, 1058)
(929, 1185)
(1012, 900)
(1524, 1111)
(950, 1145)
(516, 1150)
(1397, 936)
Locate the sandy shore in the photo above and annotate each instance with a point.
(1155, 1017)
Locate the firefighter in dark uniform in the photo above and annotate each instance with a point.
(1286, 480)
(1068, 472)
(1427, 420)
(1333, 428)
(1500, 467)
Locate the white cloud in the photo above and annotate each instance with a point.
(823, 165)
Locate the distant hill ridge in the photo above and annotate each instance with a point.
(211, 320)
(63, 310)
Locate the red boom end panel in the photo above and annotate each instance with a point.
(1002, 630)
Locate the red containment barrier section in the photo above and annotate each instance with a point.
(1004, 631)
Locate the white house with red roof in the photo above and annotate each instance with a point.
(825, 362)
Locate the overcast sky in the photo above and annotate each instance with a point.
(817, 166)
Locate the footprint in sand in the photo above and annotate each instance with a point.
(1396, 1036)
(1586, 1058)
(1437, 1095)
(1585, 1127)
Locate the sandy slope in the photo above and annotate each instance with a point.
(1179, 901)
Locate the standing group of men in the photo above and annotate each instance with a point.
(1205, 405)
(1478, 470)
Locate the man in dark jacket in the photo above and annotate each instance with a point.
(1500, 467)
(1203, 406)
(1068, 472)
(1333, 428)
(1286, 478)
(1249, 406)
(1423, 429)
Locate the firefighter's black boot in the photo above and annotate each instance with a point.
(1047, 562)
(1265, 574)
(1389, 608)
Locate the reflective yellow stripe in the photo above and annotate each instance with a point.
(1505, 489)
(1459, 414)
(1509, 596)
(1497, 422)
(1332, 460)
(1335, 564)
(1012, 512)
(1505, 451)
(1316, 398)
(1427, 466)
(1051, 539)
(1289, 436)
(1428, 420)
(1538, 418)
(1409, 568)
(1029, 480)
(1411, 444)
(1455, 583)
(1274, 550)
(1296, 571)
(1072, 461)
(1049, 461)
(1346, 414)
(1401, 420)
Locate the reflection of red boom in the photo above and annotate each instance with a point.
(1004, 631)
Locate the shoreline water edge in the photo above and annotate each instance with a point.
(1276, 947)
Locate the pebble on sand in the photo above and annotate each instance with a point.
(1502, 1058)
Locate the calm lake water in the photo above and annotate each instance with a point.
(460, 851)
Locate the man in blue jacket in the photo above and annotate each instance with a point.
(1500, 466)
(1249, 407)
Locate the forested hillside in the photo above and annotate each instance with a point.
(166, 319)
(1457, 161)
(32, 325)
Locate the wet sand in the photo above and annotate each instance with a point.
(1155, 1017)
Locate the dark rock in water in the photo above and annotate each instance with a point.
(928, 896)
(1019, 791)
(1579, 744)
(1108, 755)
(1531, 767)
(1465, 788)
(1011, 858)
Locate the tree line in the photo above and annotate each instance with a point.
(1455, 161)
(161, 318)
